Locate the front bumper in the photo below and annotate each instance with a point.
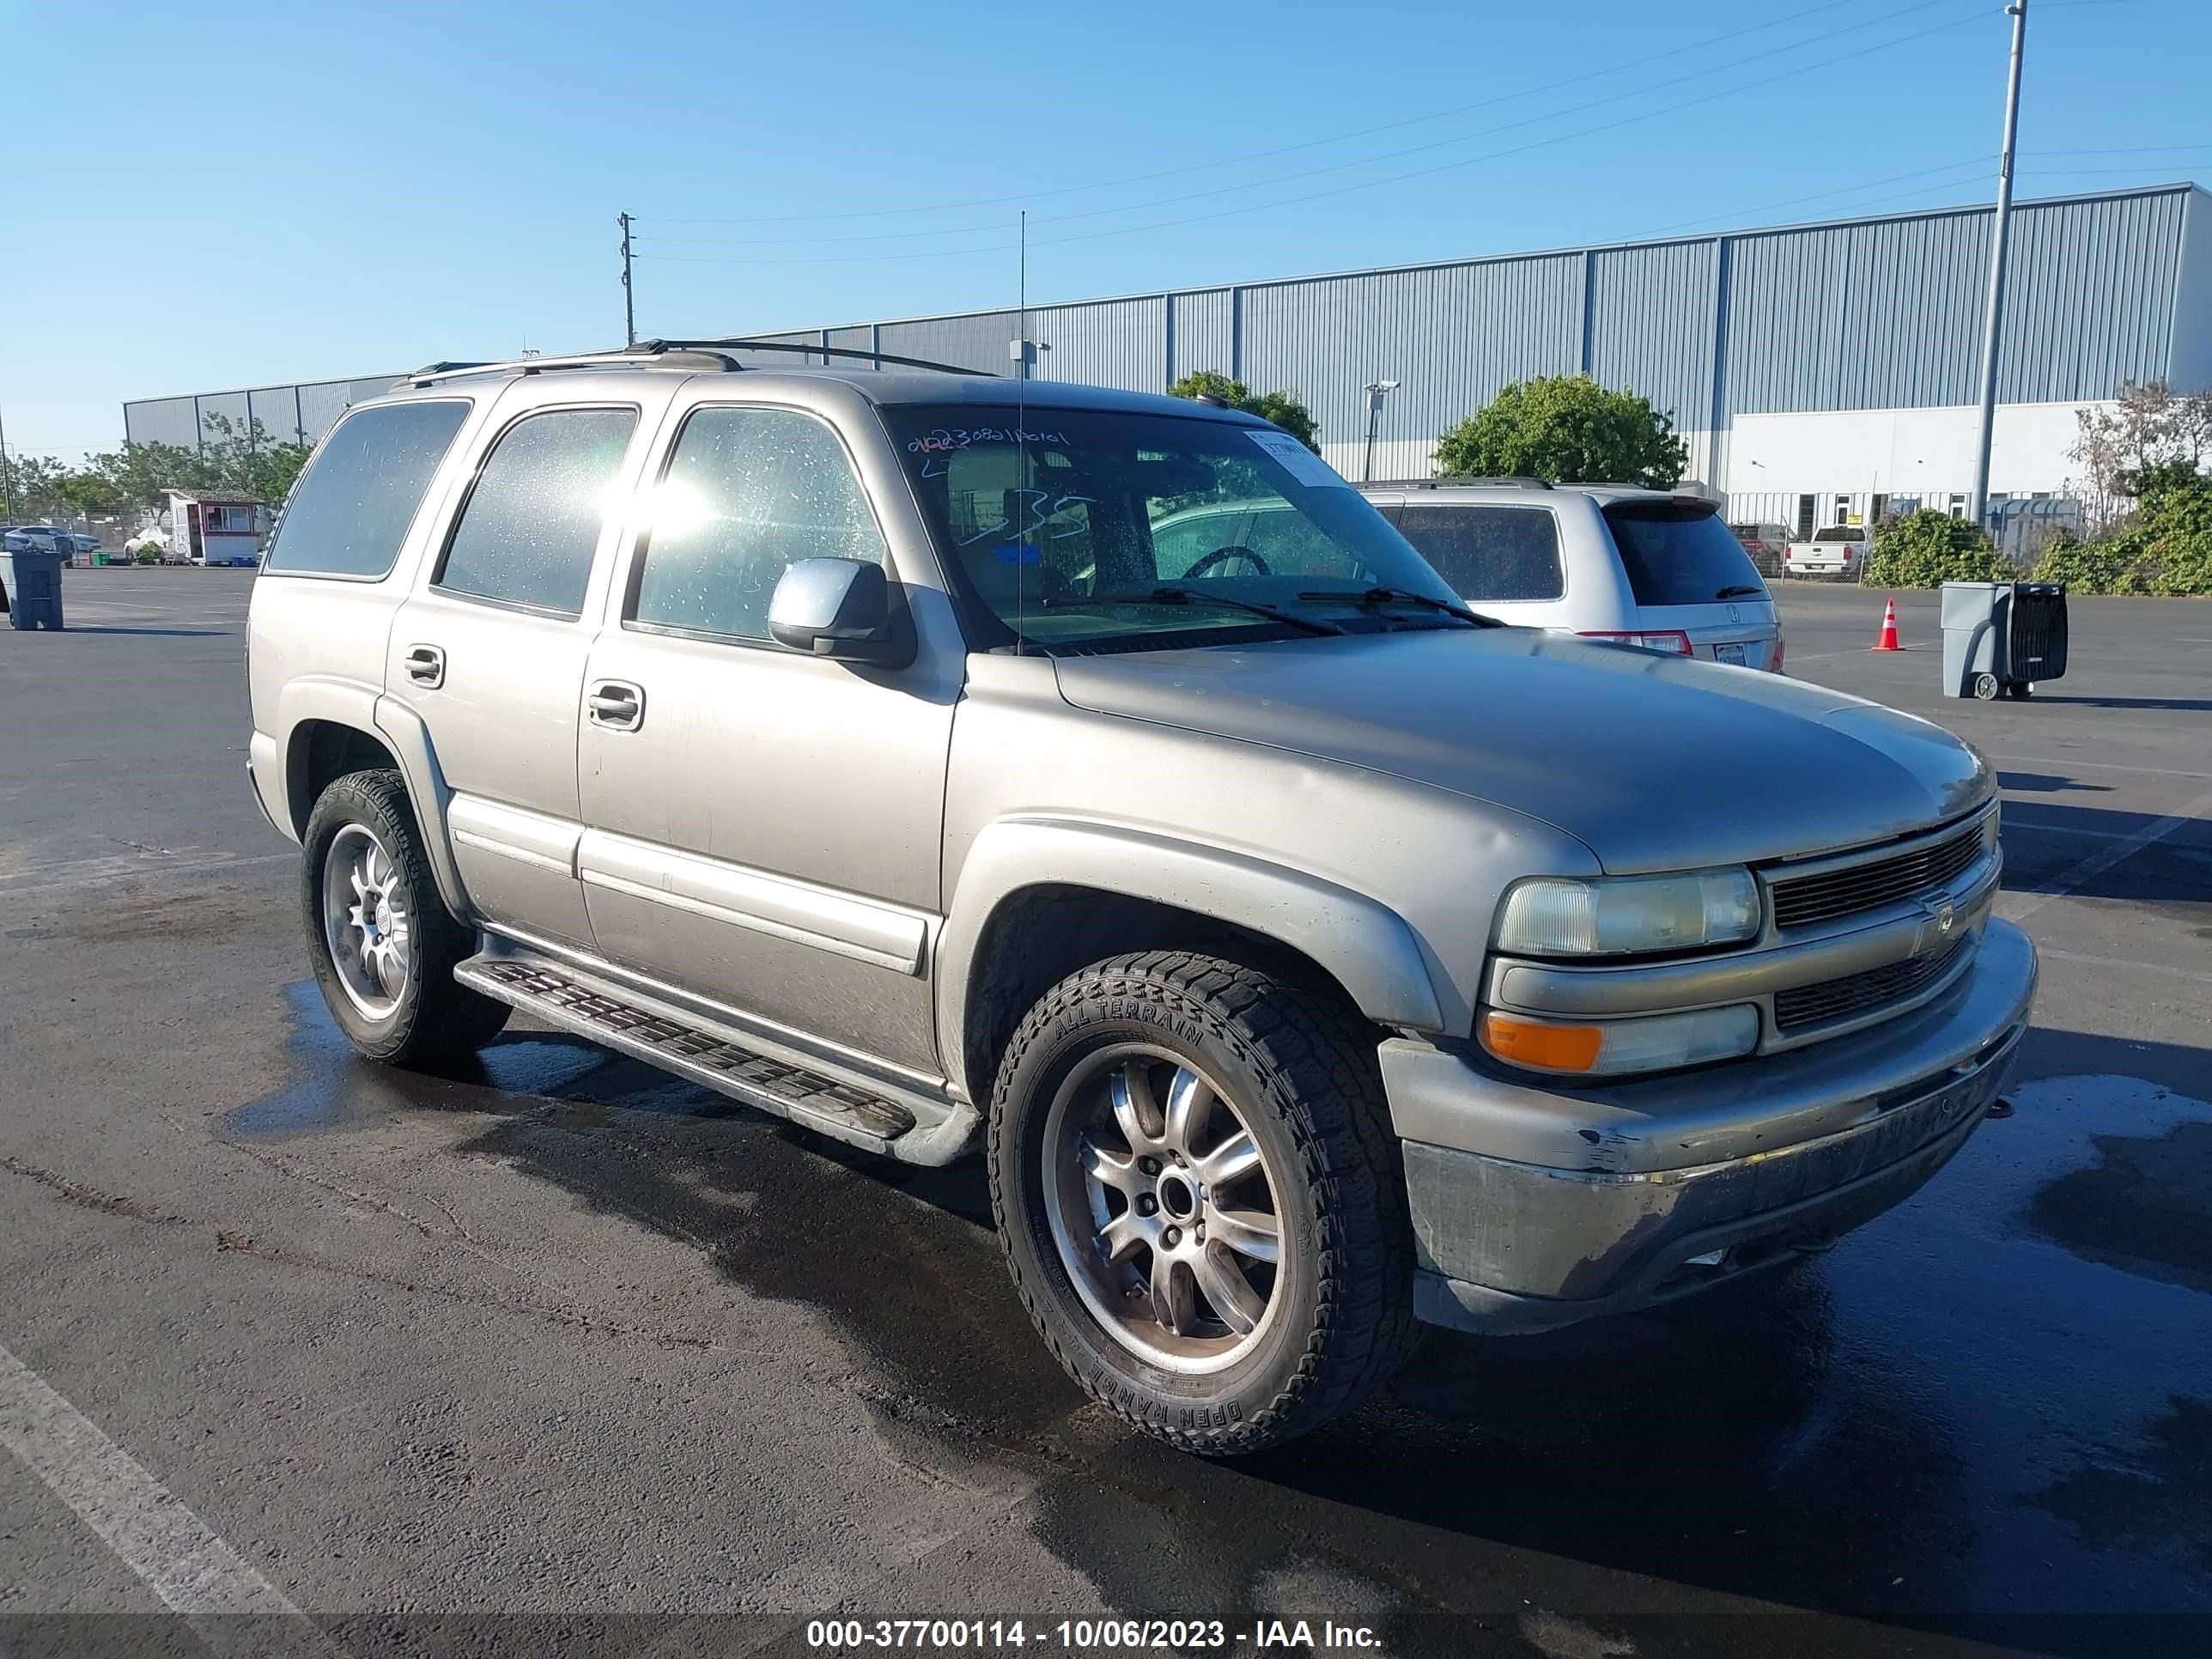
(1534, 1207)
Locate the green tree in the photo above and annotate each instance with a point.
(1566, 428)
(1286, 409)
(1929, 548)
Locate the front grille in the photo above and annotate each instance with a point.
(1838, 999)
(1802, 900)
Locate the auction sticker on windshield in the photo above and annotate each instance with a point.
(1301, 463)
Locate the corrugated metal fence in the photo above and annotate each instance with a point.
(1869, 313)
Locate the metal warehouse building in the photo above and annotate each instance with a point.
(1816, 370)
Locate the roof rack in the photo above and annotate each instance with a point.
(649, 354)
(714, 354)
(1493, 481)
(738, 342)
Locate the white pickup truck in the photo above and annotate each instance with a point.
(1838, 550)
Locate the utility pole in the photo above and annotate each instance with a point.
(1992, 322)
(7, 478)
(629, 296)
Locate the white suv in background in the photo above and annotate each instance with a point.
(1603, 561)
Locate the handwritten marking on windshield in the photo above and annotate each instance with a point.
(942, 441)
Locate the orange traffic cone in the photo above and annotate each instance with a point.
(1888, 639)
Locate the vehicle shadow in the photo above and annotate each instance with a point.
(2044, 840)
(2048, 783)
(2126, 703)
(1819, 1440)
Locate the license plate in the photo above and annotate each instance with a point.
(1728, 653)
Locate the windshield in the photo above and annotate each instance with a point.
(1090, 529)
(1679, 553)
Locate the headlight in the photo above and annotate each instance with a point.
(1555, 916)
(1607, 1048)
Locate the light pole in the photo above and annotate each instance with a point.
(1377, 391)
(1992, 321)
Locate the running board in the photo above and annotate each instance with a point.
(913, 1128)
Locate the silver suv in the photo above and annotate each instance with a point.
(1307, 956)
(1605, 560)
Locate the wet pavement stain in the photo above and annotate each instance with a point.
(2157, 1498)
(1916, 1429)
(333, 1088)
(2146, 1208)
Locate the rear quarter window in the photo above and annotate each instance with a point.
(351, 508)
(1498, 554)
(1677, 555)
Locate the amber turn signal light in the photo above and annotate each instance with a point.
(1541, 1044)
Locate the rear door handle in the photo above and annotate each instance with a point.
(426, 665)
(617, 704)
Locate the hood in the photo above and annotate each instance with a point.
(1652, 761)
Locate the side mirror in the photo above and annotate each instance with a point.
(836, 608)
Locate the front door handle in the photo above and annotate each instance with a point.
(426, 665)
(618, 705)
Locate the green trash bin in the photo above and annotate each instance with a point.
(32, 584)
(100, 561)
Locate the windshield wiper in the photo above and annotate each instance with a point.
(1738, 591)
(1167, 593)
(1366, 598)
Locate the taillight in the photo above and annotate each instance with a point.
(1847, 556)
(1668, 638)
(1775, 666)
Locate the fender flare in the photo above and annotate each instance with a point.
(367, 709)
(1366, 945)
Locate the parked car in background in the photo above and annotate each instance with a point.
(38, 538)
(85, 544)
(1838, 550)
(1764, 542)
(1609, 562)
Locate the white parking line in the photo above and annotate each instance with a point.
(2018, 907)
(2121, 963)
(150, 1528)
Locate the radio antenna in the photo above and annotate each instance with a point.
(1021, 424)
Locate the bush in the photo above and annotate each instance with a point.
(1286, 409)
(147, 555)
(2101, 566)
(2166, 548)
(1566, 428)
(1927, 548)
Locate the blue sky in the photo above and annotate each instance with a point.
(219, 195)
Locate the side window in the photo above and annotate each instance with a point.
(748, 492)
(1496, 553)
(351, 508)
(531, 522)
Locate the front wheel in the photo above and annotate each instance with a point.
(1200, 1198)
(1987, 688)
(382, 941)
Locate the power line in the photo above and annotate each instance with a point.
(1823, 195)
(1730, 67)
(1641, 62)
(1518, 150)
(1368, 184)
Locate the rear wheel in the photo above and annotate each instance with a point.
(1200, 1199)
(2020, 690)
(382, 941)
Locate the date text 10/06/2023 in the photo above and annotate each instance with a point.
(1088, 1635)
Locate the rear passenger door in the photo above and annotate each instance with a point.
(1503, 560)
(490, 648)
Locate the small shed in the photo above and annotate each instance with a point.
(215, 526)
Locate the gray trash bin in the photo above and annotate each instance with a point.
(2000, 639)
(33, 583)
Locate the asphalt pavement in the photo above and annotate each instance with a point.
(555, 1353)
